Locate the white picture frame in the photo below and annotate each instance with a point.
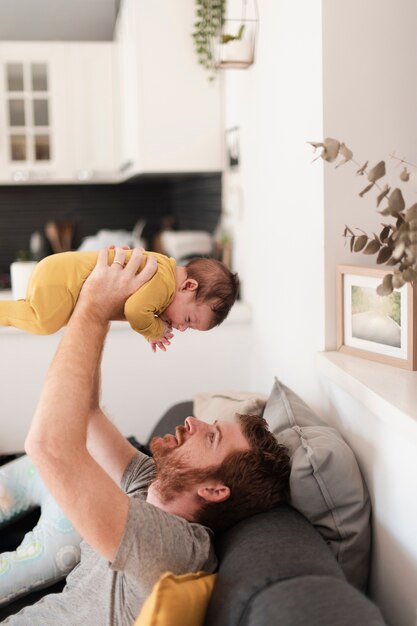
(379, 328)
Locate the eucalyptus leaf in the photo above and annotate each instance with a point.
(330, 149)
(372, 247)
(384, 255)
(377, 172)
(410, 275)
(398, 280)
(385, 288)
(399, 250)
(360, 243)
(405, 175)
(411, 213)
(382, 195)
(362, 170)
(384, 234)
(345, 153)
(396, 201)
(367, 188)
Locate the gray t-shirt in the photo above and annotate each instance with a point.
(100, 593)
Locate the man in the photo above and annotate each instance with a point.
(139, 517)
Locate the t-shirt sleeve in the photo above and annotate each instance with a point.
(155, 541)
(139, 472)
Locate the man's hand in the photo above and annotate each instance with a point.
(106, 290)
(164, 340)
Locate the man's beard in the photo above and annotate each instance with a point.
(173, 474)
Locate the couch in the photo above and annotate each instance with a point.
(274, 569)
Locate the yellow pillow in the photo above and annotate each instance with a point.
(178, 600)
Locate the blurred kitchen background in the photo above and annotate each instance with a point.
(110, 131)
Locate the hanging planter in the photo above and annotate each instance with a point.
(225, 42)
(234, 43)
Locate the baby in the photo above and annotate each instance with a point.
(198, 295)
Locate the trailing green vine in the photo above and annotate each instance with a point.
(210, 16)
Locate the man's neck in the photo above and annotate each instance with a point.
(183, 505)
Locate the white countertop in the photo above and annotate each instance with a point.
(387, 391)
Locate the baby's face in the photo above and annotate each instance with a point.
(184, 312)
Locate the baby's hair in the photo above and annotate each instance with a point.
(217, 286)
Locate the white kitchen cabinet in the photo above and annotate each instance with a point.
(169, 114)
(18, 127)
(90, 111)
(59, 128)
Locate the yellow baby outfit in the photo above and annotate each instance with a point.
(55, 285)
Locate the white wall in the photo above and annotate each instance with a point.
(288, 234)
(370, 102)
(138, 386)
(275, 202)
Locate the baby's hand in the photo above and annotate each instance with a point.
(164, 340)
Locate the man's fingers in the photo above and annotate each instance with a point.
(119, 258)
(134, 262)
(147, 272)
(102, 257)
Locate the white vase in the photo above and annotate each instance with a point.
(20, 272)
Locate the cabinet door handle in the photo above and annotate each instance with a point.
(125, 166)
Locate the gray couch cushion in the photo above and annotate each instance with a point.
(260, 551)
(326, 483)
(172, 418)
(311, 601)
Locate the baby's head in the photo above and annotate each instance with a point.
(205, 297)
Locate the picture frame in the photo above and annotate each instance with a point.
(379, 328)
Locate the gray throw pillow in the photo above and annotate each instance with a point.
(326, 483)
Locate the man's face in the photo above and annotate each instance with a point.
(196, 446)
(184, 312)
(200, 444)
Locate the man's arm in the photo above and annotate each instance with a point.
(57, 439)
(105, 442)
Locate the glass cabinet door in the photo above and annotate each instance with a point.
(27, 93)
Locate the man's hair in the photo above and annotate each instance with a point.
(258, 478)
(217, 286)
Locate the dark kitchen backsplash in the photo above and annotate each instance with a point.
(186, 202)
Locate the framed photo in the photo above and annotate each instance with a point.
(380, 328)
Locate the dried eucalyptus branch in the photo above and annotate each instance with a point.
(396, 243)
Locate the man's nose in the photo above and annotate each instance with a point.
(192, 423)
(182, 327)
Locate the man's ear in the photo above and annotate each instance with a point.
(214, 492)
(189, 284)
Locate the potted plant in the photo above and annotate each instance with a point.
(222, 42)
(20, 271)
